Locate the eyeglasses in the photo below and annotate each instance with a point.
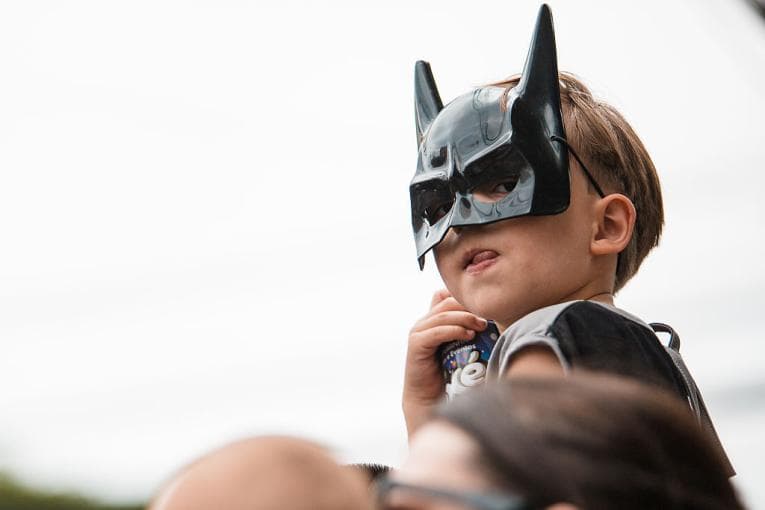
(386, 489)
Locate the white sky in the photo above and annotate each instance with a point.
(205, 221)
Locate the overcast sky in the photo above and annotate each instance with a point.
(205, 220)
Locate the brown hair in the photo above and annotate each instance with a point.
(612, 151)
(594, 441)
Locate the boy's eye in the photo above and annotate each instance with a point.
(496, 190)
(505, 187)
(436, 212)
(431, 201)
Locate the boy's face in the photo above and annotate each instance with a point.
(504, 270)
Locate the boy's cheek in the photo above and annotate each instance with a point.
(449, 279)
(445, 266)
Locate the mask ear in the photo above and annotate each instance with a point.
(427, 102)
(539, 81)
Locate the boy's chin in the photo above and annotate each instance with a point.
(491, 311)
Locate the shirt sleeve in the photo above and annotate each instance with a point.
(505, 351)
(532, 330)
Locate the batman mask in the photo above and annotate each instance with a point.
(490, 155)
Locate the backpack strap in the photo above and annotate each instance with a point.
(695, 400)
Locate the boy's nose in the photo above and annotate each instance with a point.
(467, 228)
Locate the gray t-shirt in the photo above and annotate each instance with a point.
(602, 338)
(538, 329)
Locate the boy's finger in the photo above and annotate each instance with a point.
(446, 305)
(439, 296)
(451, 318)
(426, 342)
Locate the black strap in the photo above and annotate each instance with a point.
(589, 175)
(695, 400)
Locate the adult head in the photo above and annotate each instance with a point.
(585, 441)
(265, 473)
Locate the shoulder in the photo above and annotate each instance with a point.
(600, 337)
(601, 311)
(587, 326)
(589, 335)
(588, 321)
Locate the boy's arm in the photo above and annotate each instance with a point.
(424, 385)
(535, 360)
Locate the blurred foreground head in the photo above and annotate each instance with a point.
(579, 442)
(265, 473)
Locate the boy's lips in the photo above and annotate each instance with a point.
(478, 260)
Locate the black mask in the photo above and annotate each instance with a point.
(487, 156)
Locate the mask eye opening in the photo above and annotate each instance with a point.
(435, 213)
(432, 201)
(494, 176)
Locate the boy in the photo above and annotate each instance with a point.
(534, 228)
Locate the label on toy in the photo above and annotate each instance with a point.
(463, 362)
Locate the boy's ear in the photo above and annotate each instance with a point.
(615, 221)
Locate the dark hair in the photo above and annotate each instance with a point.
(592, 441)
(370, 470)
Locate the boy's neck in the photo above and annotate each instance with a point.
(601, 297)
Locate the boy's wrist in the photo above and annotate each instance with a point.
(415, 415)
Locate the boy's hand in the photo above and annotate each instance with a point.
(424, 385)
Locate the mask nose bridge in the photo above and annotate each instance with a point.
(458, 184)
(457, 181)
